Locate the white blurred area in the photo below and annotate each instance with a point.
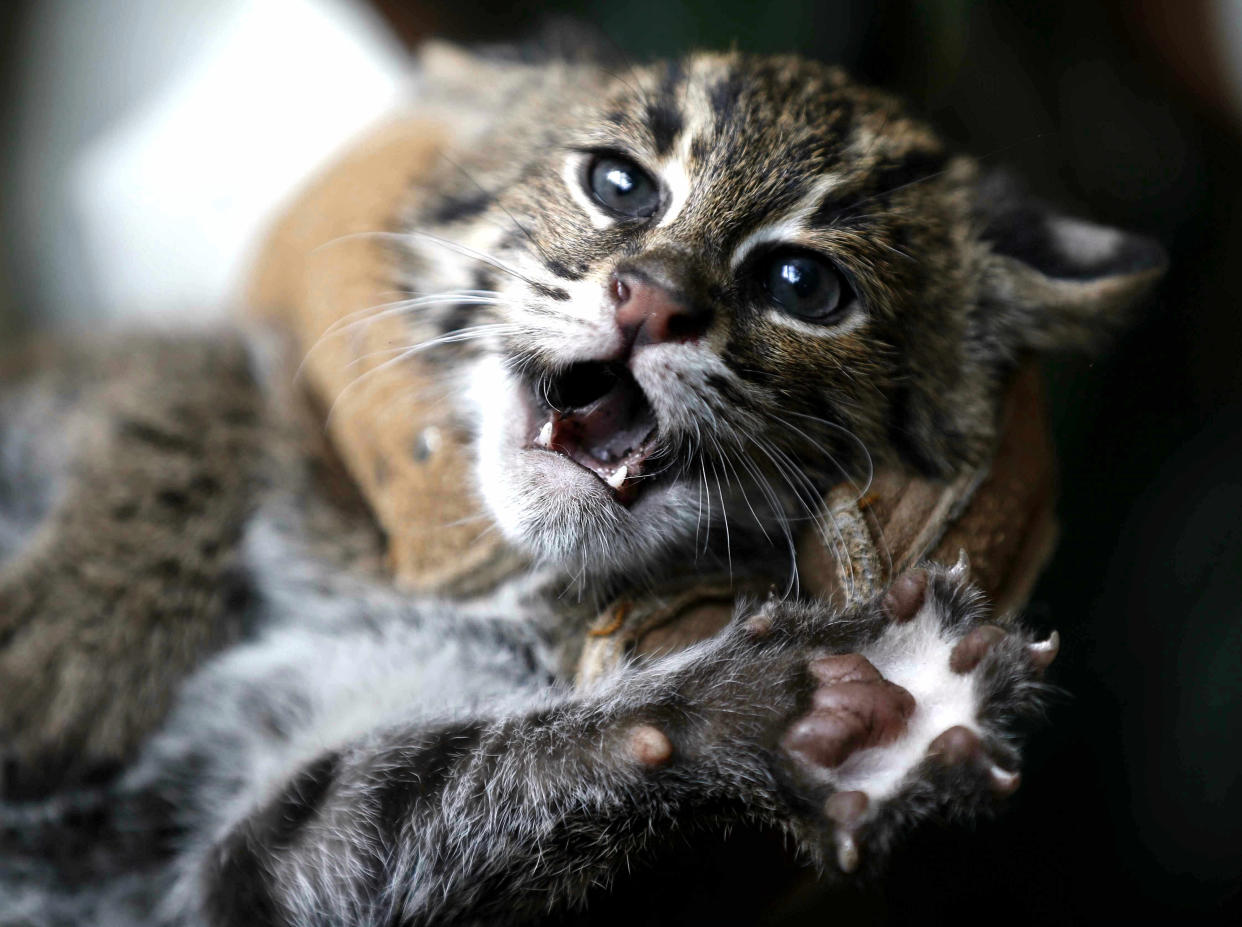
(157, 138)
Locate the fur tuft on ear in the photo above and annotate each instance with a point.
(477, 85)
(557, 39)
(1050, 281)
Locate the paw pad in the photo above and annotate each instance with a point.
(649, 745)
(853, 708)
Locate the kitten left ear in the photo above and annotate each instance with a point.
(1051, 281)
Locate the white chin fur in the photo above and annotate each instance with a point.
(554, 510)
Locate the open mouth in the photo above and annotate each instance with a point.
(597, 415)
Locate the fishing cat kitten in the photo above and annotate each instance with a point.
(683, 299)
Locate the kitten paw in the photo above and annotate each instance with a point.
(922, 719)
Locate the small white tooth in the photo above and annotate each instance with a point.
(618, 477)
(545, 434)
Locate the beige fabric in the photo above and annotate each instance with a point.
(328, 258)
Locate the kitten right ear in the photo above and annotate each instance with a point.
(484, 79)
(449, 65)
(1051, 281)
(557, 39)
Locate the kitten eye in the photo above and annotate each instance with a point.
(623, 187)
(806, 286)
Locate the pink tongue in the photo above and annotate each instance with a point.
(606, 431)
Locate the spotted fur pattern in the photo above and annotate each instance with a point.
(956, 277)
(368, 757)
(289, 788)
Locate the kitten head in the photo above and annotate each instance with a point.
(702, 291)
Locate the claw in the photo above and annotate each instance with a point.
(758, 625)
(1042, 653)
(1004, 782)
(960, 745)
(847, 851)
(960, 570)
(846, 810)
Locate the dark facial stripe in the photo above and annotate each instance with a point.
(915, 166)
(666, 123)
(700, 149)
(728, 390)
(459, 207)
(724, 97)
(737, 357)
(563, 270)
(663, 115)
(456, 317)
(550, 292)
(887, 179)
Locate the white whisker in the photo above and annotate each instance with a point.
(472, 333)
(475, 254)
(405, 354)
(849, 434)
(373, 314)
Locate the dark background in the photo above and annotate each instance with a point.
(1117, 111)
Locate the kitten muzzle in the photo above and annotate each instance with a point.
(597, 415)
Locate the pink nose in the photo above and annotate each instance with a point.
(648, 313)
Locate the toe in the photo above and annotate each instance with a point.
(905, 597)
(972, 648)
(958, 744)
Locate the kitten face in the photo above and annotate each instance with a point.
(713, 287)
